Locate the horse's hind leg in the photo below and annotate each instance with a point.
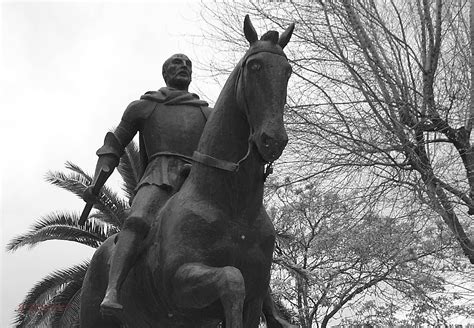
(93, 290)
(197, 285)
(90, 316)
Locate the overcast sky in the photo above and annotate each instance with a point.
(68, 71)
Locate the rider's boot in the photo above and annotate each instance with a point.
(123, 258)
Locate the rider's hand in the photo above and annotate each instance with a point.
(89, 196)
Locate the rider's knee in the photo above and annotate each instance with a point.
(137, 224)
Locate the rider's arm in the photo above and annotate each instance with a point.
(115, 142)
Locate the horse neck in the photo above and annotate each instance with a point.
(226, 137)
(226, 133)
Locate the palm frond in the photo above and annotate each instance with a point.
(39, 319)
(36, 314)
(131, 169)
(67, 303)
(63, 226)
(70, 317)
(73, 182)
(55, 300)
(75, 168)
(76, 182)
(112, 205)
(111, 222)
(38, 308)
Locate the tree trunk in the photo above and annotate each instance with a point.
(470, 116)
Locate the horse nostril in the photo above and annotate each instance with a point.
(271, 147)
(266, 140)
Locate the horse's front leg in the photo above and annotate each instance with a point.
(196, 285)
(252, 313)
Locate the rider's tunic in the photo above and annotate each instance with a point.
(170, 123)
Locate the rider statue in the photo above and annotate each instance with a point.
(170, 122)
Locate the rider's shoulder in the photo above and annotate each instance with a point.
(138, 109)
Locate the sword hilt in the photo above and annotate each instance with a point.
(101, 178)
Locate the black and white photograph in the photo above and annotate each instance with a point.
(237, 164)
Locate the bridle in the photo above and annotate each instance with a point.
(232, 166)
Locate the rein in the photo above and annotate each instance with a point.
(227, 165)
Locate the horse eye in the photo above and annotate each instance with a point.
(254, 66)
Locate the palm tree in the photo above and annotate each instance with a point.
(54, 301)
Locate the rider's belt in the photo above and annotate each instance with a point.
(169, 153)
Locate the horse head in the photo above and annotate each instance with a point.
(261, 89)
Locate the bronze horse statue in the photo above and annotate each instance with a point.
(207, 257)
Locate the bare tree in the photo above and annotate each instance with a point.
(330, 261)
(379, 101)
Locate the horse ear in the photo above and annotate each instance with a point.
(286, 36)
(249, 30)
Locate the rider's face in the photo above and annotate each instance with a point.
(178, 72)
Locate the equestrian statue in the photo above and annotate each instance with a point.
(196, 249)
